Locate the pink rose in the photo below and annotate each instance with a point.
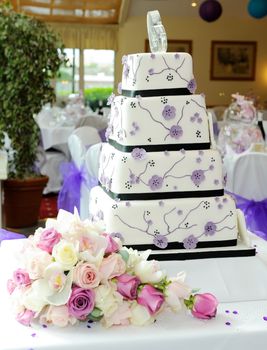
(21, 277)
(112, 246)
(25, 317)
(204, 306)
(127, 286)
(112, 266)
(81, 302)
(11, 285)
(151, 298)
(86, 275)
(48, 239)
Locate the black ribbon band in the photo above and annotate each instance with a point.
(161, 148)
(163, 195)
(180, 245)
(156, 92)
(204, 255)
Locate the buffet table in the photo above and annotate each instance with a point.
(241, 322)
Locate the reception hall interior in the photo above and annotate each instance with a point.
(78, 111)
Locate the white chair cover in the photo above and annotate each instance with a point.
(92, 159)
(248, 176)
(78, 142)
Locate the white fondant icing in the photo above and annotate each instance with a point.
(140, 222)
(146, 71)
(148, 120)
(173, 171)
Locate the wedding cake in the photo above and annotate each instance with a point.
(160, 176)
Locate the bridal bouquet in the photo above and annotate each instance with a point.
(72, 271)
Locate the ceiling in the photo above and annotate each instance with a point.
(117, 11)
(74, 11)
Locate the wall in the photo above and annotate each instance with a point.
(133, 33)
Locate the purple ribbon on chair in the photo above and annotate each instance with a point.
(255, 213)
(70, 193)
(7, 235)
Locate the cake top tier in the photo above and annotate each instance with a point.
(155, 74)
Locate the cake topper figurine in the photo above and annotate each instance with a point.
(156, 32)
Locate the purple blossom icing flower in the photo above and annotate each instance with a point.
(211, 167)
(119, 88)
(191, 86)
(179, 212)
(216, 182)
(192, 119)
(155, 182)
(117, 235)
(176, 56)
(100, 214)
(124, 59)
(153, 56)
(126, 70)
(190, 242)
(151, 71)
(139, 153)
(199, 120)
(225, 200)
(149, 222)
(134, 179)
(197, 177)
(169, 112)
(161, 203)
(198, 160)
(111, 99)
(210, 228)
(176, 131)
(160, 241)
(200, 152)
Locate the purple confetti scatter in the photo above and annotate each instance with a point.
(44, 326)
(90, 321)
(228, 323)
(33, 335)
(235, 312)
(265, 318)
(227, 311)
(88, 326)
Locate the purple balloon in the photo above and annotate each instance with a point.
(210, 10)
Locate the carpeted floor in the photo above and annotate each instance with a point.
(48, 207)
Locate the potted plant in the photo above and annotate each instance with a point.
(30, 56)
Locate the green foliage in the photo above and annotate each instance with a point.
(30, 56)
(92, 96)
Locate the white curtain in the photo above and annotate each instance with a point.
(101, 37)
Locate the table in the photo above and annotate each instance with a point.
(238, 325)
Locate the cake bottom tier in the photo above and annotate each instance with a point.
(171, 224)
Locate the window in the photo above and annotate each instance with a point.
(85, 70)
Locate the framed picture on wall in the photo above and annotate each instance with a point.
(175, 46)
(233, 60)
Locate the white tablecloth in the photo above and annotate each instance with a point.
(239, 325)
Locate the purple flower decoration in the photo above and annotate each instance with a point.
(134, 179)
(210, 228)
(216, 182)
(198, 160)
(179, 212)
(151, 71)
(161, 203)
(126, 70)
(211, 167)
(192, 119)
(117, 235)
(160, 241)
(197, 177)
(111, 99)
(169, 112)
(176, 131)
(190, 242)
(155, 182)
(176, 56)
(100, 214)
(153, 56)
(199, 120)
(225, 200)
(124, 59)
(191, 86)
(200, 153)
(119, 89)
(139, 153)
(149, 222)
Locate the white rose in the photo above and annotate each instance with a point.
(34, 297)
(36, 262)
(107, 299)
(65, 254)
(149, 271)
(140, 315)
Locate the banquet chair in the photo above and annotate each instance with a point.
(78, 142)
(250, 190)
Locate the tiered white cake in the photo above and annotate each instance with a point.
(160, 175)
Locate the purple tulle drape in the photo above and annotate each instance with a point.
(70, 193)
(7, 235)
(255, 214)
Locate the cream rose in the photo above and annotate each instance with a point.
(149, 271)
(86, 275)
(107, 299)
(58, 316)
(36, 263)
(65, 254)
(112, 266)
(140, 316)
